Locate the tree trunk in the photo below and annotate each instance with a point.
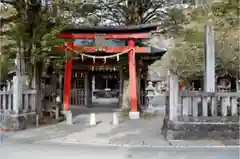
(36, 84)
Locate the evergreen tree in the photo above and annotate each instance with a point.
(31, 34)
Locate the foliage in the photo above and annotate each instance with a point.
(33, 32)
(32, 35)
(4, 67)
(226, 15)
(173, 22)
(186, 59)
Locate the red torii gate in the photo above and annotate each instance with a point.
(99, 34)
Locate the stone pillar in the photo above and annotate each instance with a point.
(17, 94)
(209, 61)
(209, 68)
(17, 122)
(173, 97)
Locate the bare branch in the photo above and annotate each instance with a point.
(149, 16)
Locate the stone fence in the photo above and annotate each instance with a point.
(16, 104)
(6, 100)
(196, 113)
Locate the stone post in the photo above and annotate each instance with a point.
(173, 96)
(17, 93)
(209, 67)
(209, 61)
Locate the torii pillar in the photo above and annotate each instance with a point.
(67, 88)
(134, 113)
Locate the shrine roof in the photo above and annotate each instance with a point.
(143, 28)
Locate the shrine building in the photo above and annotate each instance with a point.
(102, 58)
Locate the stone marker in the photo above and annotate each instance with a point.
(115, 120)
(92, 119)
(69, 118)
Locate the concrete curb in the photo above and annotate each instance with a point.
(7, 140)
(137, 146)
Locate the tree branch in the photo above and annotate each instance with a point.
(4, 21)
(112, 12)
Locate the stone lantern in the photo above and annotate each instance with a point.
(150, 93)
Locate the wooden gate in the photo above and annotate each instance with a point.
(78, 92)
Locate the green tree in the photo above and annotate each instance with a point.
(186, 59)
(31, 34)
(4, 68)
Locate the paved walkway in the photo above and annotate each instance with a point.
(143, 132)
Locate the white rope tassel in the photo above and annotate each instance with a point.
(92, 68)
(105, 59)
(93, 60)
(117, 57)
(102, 57)
(82, 57)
